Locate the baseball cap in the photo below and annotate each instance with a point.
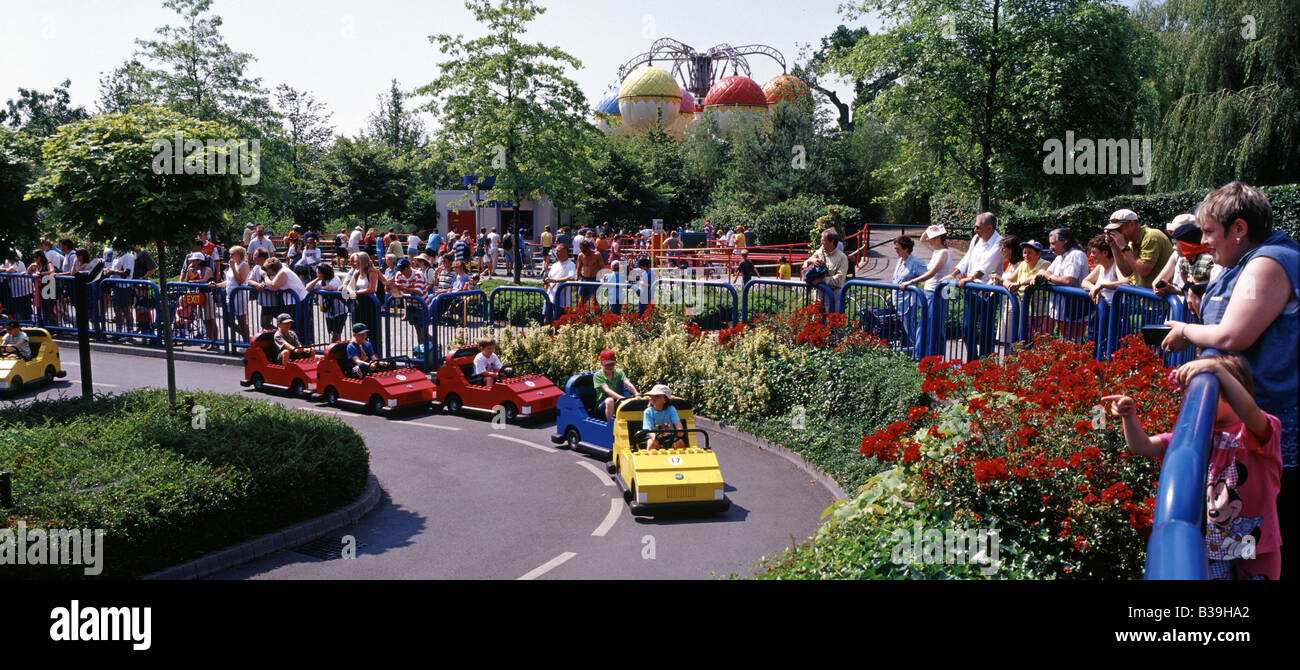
(13, 323)
(402, 264)
(1188, 232)
(249, 225)
(660, 389)
(1124, 215)
(1179, 221)
(358, 328)
(284, 318)
(608, 356)
(934, 231)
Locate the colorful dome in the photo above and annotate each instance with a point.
(735, 90)
(608, 106)
(688, 102)
(785, 87)
(649, 80)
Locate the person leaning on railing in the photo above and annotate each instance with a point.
(982, 260)
(939, 265)
(829, 257)
(1253, 307)
(1105, 276)
(1069, 268)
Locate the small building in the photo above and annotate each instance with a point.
(459, 212)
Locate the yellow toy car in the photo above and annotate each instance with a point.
(665, 480)
(43, 366)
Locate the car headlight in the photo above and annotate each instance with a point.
(392, 402)
(717, 494)
(311, 386)
(642, 497)
(528, 409)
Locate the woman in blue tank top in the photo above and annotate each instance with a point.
(1253, 307)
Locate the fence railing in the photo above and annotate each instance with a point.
(710, 305)
(1065, 312)
(608, 295)
(1176, 548)
(519, 306)
(896, 316)
(457, 318)
(128, 308)
(773, 297)
(967, 323)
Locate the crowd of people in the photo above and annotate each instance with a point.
(1241, 281)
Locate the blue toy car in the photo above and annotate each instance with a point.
(577, 425)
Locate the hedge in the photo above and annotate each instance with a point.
(1087, 219)
(163, 491)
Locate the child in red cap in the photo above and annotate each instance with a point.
(610, 384)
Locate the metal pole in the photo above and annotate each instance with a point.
(80, 289)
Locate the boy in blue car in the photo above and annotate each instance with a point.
(662, 418)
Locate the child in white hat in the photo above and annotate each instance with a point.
(662, 418)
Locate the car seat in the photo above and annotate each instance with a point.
(338, 352)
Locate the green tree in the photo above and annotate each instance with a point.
(104, 179)
(395, 125)
(507, 109)
(983, 83)
(1231, 90)
(819, 65)
(307, 135)
(40, 114)
(17, 171)
(367, 178)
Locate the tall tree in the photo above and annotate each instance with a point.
(507, 109)
(819, 65)
(1232, 86)
(306, 137)
(983, 83)
(105, 179)
(395, 125)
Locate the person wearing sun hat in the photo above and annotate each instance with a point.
(940, 261)
(662, 418)
(611, 383)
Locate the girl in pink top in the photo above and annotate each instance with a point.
(1242, 539)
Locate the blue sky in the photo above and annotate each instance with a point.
(346, 52)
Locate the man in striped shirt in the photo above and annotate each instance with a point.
(409, 283)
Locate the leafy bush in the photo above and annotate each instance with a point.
(787, 222)
(163, 491)
(843, 219)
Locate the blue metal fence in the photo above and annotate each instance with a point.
(406, 320)
(519, 306)
(1064, 312)
(457, 318)
(710, 305)
(773, 297)
(895, 316)
(129, 308)
(1134, 307)
(16, 291)
(972, 322)
(607, 295)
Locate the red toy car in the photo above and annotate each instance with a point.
(262, 366)
(530, 395)
(381, 392)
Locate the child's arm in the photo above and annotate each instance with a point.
(1243, 404)
(1138, 442)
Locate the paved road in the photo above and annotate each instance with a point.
(464, 501)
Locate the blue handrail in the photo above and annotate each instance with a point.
(1176, 548)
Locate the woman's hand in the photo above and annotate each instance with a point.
(1176, 340)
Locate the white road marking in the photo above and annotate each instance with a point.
(526, 443)
(112, 386)
(615, 511)
(547, 566)
(426, 425)
(604, 478)
(322, 411)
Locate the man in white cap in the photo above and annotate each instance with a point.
(1140, 252)
(662, 418)
(248, 233)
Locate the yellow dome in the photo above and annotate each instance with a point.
(649, 80)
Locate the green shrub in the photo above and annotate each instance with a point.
(787, 222)
(163, 491)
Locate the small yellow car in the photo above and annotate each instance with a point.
(665, 480)
(43, 366)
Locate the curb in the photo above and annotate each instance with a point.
(275, 541)
(153, 352)
(762, 444)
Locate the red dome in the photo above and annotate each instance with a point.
(735, 90)
(785, 87)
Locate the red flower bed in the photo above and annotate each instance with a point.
(1038, 453)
